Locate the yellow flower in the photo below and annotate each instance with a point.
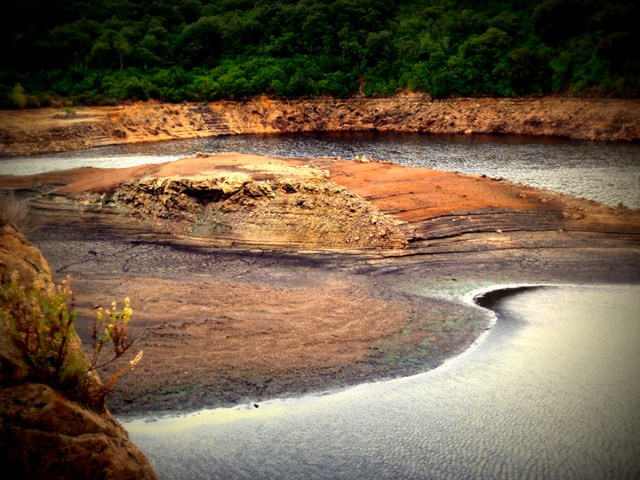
(135, 361)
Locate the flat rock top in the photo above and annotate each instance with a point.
(76, 181)
(417, 193)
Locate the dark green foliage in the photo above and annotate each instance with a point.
(106, 51)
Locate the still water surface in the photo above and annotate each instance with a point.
(553, 391)
(606, 172)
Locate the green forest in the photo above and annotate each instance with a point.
(66, 52)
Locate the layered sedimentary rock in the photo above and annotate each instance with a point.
(249, 200)
(48, 130)
(292, 206)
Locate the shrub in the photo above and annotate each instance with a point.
(12, 210)
(18, 96)
(110, 328)
(42, 320)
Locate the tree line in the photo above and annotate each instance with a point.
(106, 51)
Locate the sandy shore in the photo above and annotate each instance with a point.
(283, 295)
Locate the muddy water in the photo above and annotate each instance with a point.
(606, 172)
(552, 391)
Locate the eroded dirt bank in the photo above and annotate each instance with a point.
(256, 277)
(29, 132)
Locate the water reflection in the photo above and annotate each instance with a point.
(553, 392)
(606, 172)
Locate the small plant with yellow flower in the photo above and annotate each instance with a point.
(110, 327)
(41, 320)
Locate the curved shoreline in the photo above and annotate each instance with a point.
(499, 291)
(525, 392)
(342, 315)
(487, 297)
(28, 132)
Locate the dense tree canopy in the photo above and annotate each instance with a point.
(104, 51)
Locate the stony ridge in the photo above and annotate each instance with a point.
(292, 206)
(253, 201)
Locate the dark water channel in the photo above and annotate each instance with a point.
(606, 172)
(552, 391)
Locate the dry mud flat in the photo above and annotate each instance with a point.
(253, 277)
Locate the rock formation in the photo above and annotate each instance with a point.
(43, 433)
(295, 207)
(48, 130)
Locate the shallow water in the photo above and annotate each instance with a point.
(606, 172)
(553, 391)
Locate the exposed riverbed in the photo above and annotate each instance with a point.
(552, 392)
(496, 411)
(605, 172)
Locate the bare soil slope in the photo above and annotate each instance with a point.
(25, 132)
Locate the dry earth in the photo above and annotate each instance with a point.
(28, 132)
(232, 309)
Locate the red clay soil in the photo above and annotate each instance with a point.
(414, 194)
(225, 325)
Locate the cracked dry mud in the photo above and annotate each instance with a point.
(250, 316)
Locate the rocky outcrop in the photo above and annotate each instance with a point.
(18, 255)
(325, 203)
(268, 205)
(48, 130)
(43, 433)
(590, 119)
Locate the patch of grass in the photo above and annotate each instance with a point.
(12, 210)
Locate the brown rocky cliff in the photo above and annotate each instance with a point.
(587, 119)
(28, 132)
(44, 434)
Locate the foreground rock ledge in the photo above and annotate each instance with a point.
(257, 277)
(43, 434)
